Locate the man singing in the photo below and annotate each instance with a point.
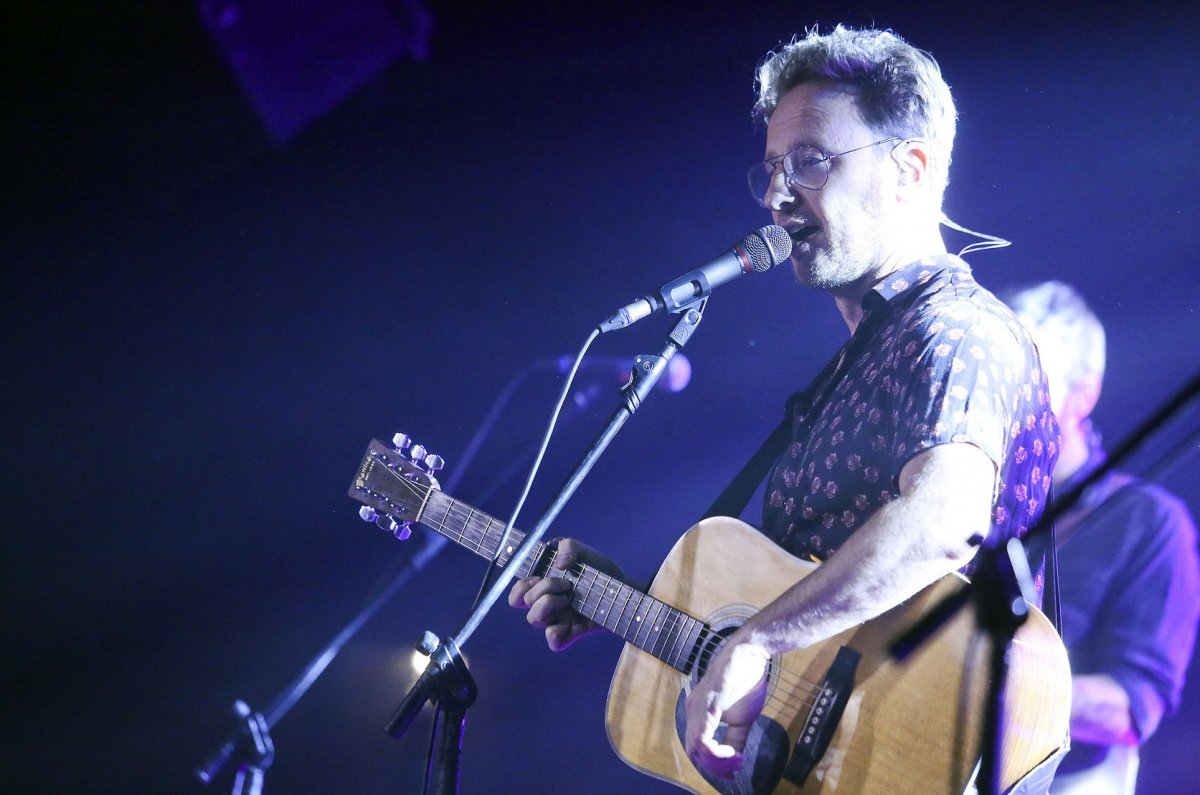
(929, 431)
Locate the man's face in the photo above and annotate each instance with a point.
(852, 209)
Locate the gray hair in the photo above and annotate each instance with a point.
(897, 88)
(1055, 310)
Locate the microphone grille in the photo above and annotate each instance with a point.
(768, 247)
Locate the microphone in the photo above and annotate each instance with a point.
(758, 251)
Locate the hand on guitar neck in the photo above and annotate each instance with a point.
(548, 599)
(731, 693)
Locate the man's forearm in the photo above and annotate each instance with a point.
(905, 545)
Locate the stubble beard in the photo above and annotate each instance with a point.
(827, 268)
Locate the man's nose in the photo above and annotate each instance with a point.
(779, 192)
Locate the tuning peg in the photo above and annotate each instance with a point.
(434, 462)
(367, 513)
(401, 441)
(401, 530)
(417, 453)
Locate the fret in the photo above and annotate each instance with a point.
(487, 533)
(694, 636)
(635, 617)
(658, 627)
(676, 657)
(646, 606)
(627, 593)
(617, 609)
(602, 596)
(443, 525)
(645, 625)
(670, 652)
(607, 597)
(587, 579)
(466, 528)
(475, 527)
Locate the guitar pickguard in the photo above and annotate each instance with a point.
(766, 754)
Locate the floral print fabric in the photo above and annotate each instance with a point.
(936, 360)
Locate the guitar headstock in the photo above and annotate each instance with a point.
(394, 483)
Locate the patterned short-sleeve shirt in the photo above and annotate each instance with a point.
(936, 359)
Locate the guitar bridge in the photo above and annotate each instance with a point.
(823, 717)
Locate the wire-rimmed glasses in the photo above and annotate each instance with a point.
(803, 167)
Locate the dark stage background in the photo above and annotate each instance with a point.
(207, 318)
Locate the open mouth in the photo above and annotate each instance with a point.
(802, 233)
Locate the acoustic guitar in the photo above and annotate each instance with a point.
(840, 716)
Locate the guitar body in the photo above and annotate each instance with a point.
(909, 727)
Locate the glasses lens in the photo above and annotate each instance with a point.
(806, 167)
(759, 178)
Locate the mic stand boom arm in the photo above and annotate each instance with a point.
(446, 678)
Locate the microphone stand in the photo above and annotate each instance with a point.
(250, 740)
(446, 680)
(1002, 586)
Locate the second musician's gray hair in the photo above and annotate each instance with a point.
(1054, 310)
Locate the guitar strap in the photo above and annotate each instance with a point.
(1072, 522)
(1050, 602)
(736, 496)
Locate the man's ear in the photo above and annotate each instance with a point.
(912, 162)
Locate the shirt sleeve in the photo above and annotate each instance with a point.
(1148, 627)
(969, 374)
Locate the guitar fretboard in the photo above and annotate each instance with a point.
(653, 626)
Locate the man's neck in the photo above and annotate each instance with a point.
(849, 298)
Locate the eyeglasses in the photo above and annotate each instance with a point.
(803, 167)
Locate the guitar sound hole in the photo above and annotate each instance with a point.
(709, 646)
(707, 649)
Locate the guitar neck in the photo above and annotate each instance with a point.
(653, 626)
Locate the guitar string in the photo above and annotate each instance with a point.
(674, 629)
(671, 629)
(706, 637)
(678, 618)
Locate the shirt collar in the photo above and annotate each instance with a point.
(903, 282)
